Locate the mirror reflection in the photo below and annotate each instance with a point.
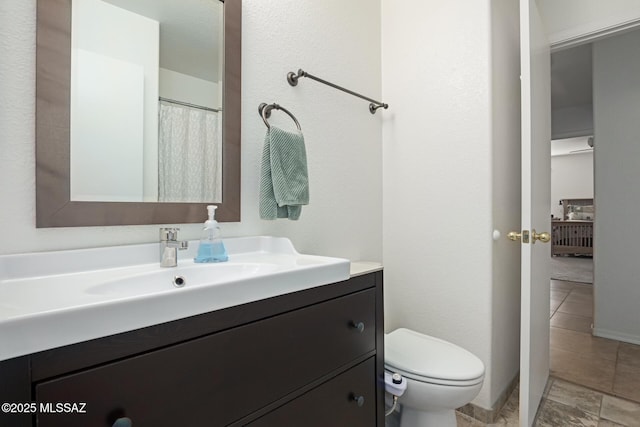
(146, 100)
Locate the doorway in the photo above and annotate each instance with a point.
(605, 365)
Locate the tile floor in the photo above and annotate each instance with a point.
(605, 365)
(594, 381)
(566, 405)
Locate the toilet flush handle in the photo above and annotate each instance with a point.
(357, 325)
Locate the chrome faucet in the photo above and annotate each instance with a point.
(169, 245)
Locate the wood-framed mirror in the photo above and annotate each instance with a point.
(55, 206)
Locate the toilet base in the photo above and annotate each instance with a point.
(414, 418)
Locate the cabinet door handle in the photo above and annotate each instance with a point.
(358, 399)
(358, 325)
(123, 422)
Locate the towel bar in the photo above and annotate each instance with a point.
(264, 110)
(293, 78)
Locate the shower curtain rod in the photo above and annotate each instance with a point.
(186, 104)
(292, 78)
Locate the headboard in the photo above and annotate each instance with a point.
(573, 202)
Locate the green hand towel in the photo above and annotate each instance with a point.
(284, 181)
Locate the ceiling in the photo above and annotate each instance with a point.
(190, 33)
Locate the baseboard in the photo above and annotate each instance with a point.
(604, 333)
(489, 416)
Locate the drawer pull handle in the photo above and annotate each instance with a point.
(358, 325)
(358, 399)
(123, 422)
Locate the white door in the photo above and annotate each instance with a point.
(536, 136)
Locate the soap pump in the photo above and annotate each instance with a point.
(211, 248)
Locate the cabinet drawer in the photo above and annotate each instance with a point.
(331, 404)
(219, 378)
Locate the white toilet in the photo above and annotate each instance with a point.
(440, 377)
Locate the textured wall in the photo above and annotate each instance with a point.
(337, 40)
(437, 171)
(450, 155)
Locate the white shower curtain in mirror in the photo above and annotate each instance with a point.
(189, 154)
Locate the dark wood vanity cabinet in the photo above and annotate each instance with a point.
(310, 358)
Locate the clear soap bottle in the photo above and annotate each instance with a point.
(211, 248)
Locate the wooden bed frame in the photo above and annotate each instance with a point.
(572, 237)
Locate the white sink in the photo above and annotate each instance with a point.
(53, 299)
(169, 279)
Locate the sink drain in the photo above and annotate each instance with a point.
(179, 281)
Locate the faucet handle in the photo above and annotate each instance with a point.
(169, 234)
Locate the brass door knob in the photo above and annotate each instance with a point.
(544, 237)
(515, 236)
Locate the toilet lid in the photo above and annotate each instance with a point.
(427, 357)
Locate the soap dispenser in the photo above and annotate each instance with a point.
(211, 248)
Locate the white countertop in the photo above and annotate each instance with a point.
(358, 268)
(53, 299)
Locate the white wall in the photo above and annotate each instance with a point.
(124, 41)
(185, 88)
(567, 19)
(107, 134)
(617, 174)
(446, 110)
(571, 122)
(571, 178)
(340, 42)
(505, 166)
(333, 39)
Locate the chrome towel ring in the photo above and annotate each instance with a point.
(265, 112)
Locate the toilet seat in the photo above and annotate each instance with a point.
(436, 381)
(431, 360)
